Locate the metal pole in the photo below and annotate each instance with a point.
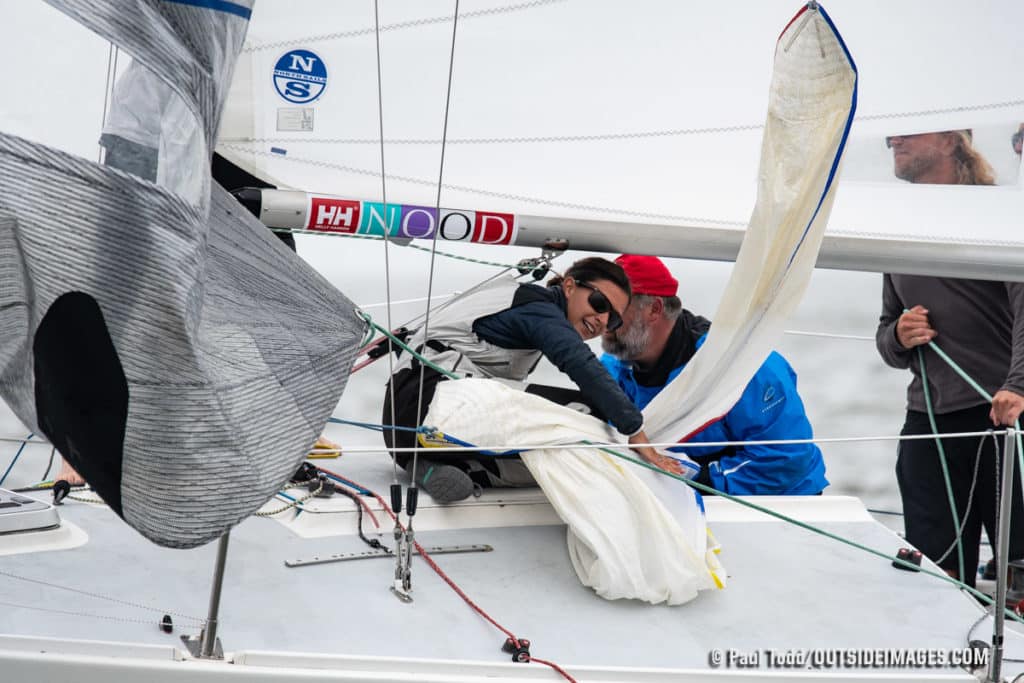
(1002, 554)
(209, 635)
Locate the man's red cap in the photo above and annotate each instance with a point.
(648, 275)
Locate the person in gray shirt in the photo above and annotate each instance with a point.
(980, 325)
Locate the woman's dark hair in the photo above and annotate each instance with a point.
(595, 268)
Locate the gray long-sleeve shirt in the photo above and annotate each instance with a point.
(980, 325)
(537, 320)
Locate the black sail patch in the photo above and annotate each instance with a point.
(81, 392)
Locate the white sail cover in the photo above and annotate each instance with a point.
(631, 532)
(172, 349)
(811, 105)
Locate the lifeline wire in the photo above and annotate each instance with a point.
(100, 596)
(803, 525)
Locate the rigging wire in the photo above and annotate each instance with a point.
(49, 464)
(18, 455)
(433, 241)
(108, 89)
(387, 233)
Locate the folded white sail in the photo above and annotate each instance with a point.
(631, 532)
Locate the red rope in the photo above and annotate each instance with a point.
(440, 572)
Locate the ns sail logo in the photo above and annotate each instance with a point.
(300, 76)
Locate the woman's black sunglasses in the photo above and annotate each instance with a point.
(599, 302)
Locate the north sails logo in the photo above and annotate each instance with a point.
(300, 76)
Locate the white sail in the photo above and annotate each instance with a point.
(648, 117)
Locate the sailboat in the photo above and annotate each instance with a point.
(318, 133)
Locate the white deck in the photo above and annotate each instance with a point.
(789, 589)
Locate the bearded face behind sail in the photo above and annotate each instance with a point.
(171, 348)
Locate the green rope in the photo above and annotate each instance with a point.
(977, 387)
(988, 397)
(810, 527)
(387, 333)
(942, 460)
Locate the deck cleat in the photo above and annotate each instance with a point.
(907, 555)
(520, 653)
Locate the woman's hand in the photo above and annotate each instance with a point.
(651, 456)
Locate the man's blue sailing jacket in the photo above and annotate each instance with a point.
(769, 409)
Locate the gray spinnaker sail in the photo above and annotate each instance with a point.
(174, 351)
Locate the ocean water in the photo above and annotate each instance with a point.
(846, 388)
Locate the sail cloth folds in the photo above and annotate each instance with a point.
(812, 100)
(174, 351)
(632, 533)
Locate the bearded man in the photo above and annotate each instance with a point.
(658, 338)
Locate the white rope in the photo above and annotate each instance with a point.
(486, 193)
(411, 301)
(414, 23)
(829, 335)
(613, 136)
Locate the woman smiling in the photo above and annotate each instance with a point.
(500, 330)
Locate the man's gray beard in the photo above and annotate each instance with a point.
(629, 343)
(914, 169)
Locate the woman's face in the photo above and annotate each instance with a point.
(594, 306)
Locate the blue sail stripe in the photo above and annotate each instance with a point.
(218, 6)
(842, 142)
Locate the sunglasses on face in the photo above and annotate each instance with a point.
(599, 302)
